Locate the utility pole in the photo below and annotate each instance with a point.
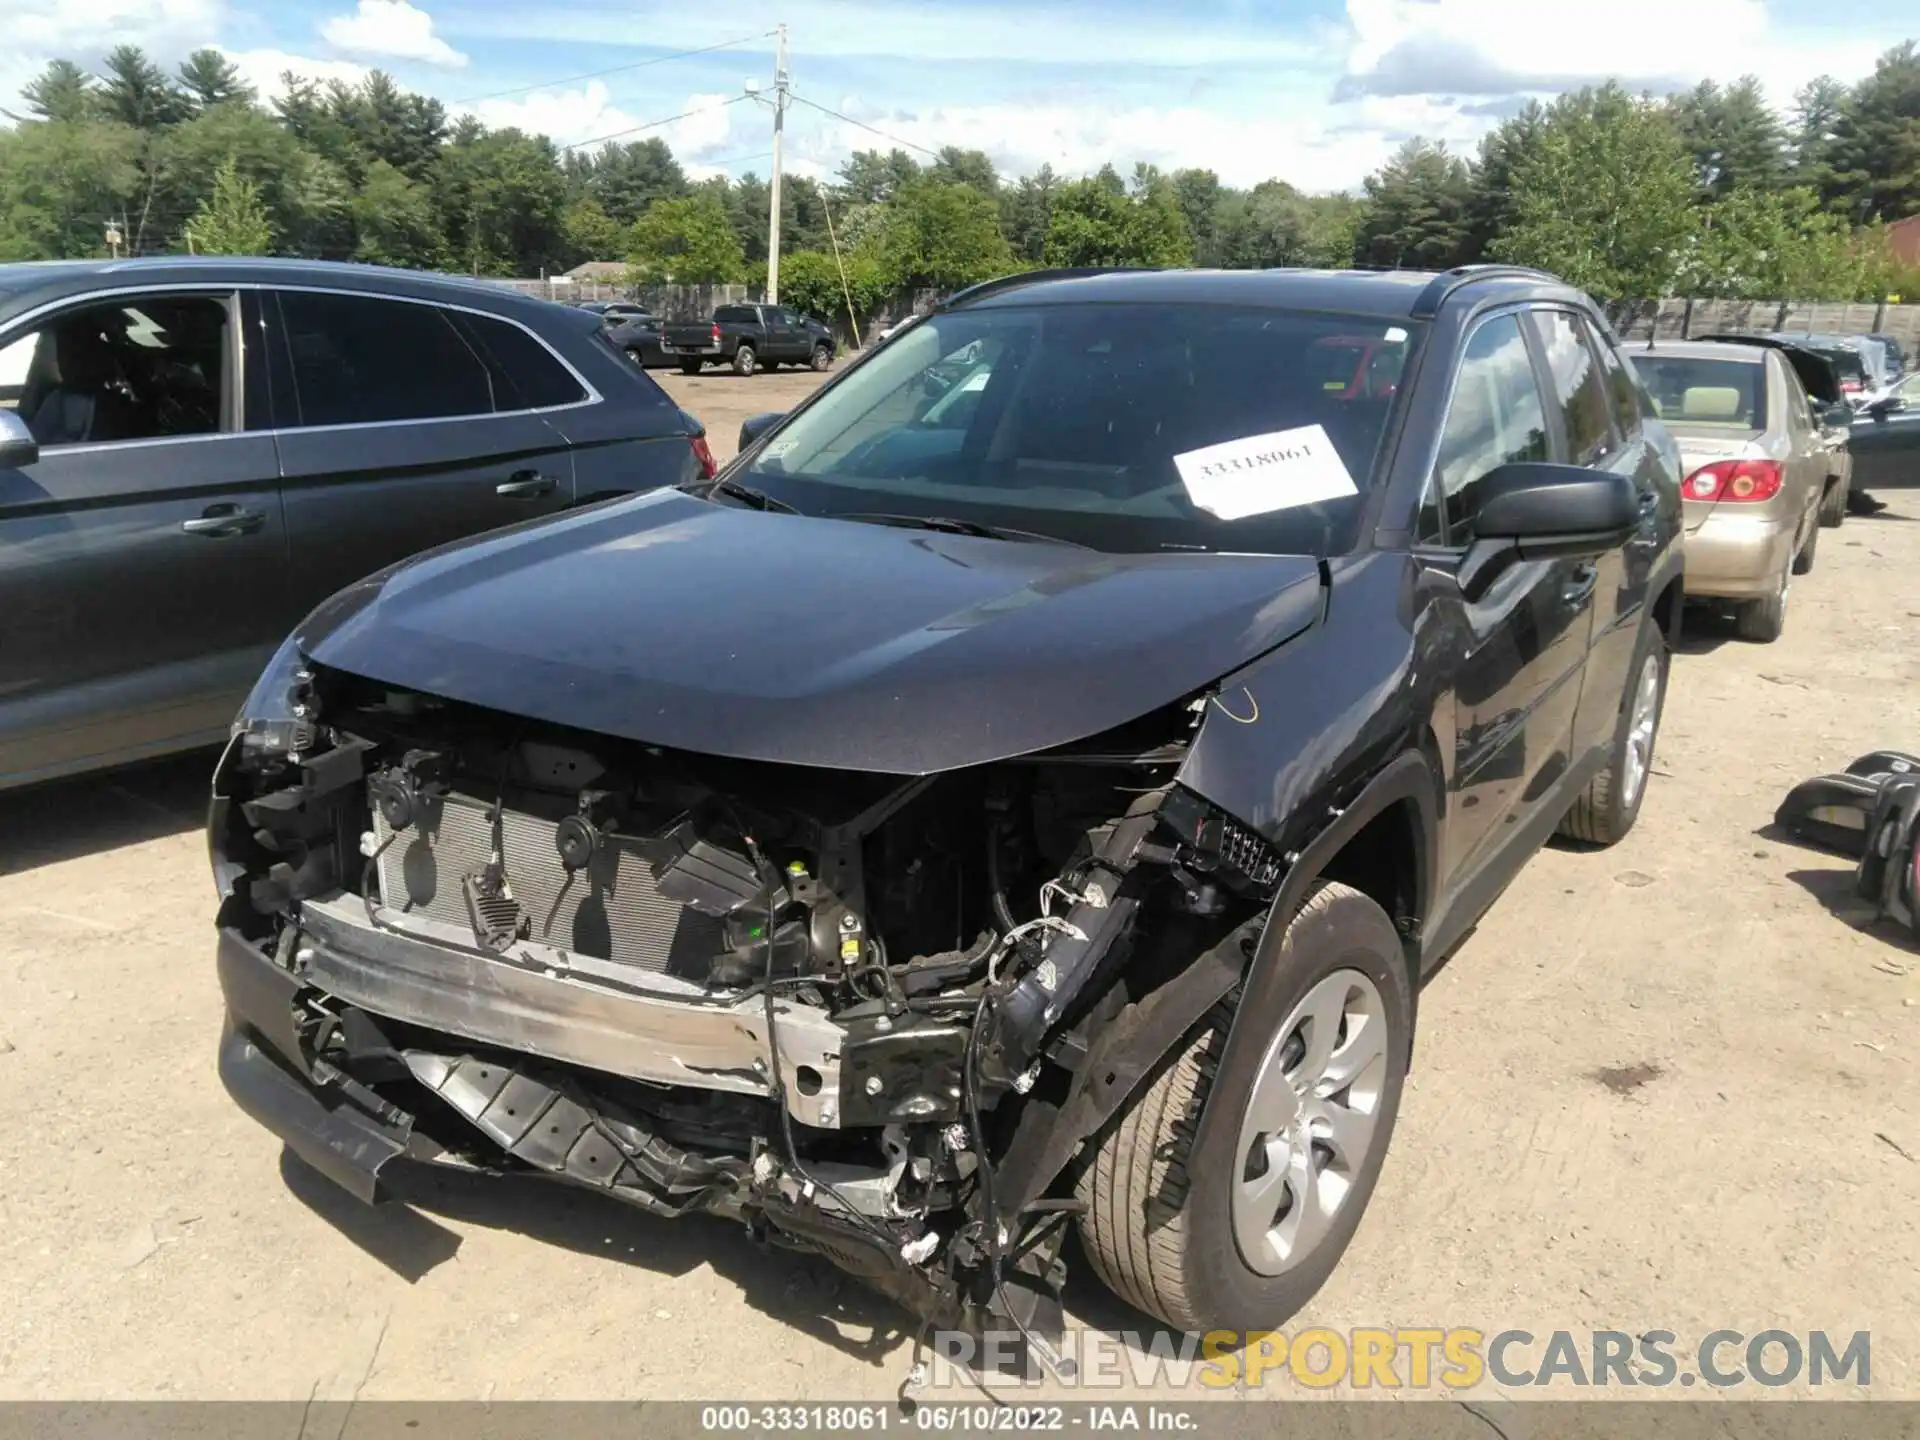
(780, 85)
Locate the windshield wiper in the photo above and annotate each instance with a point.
(759, 499)
(946, 524)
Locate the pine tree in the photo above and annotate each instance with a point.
(232, 220)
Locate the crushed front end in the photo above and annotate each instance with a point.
(871, 1016)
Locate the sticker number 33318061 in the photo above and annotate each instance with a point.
(1263, 473)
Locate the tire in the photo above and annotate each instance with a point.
(1159, 1224)
(1763, 620)
(822, 358)
(744, 361)
(690, 367)
(1833, 504)
(1803, 561)
(1607, 808)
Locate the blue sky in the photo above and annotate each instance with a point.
(1316, 92)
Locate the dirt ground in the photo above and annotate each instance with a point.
(1666, 1086)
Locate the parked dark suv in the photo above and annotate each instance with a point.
(193, 453)
(989, 807)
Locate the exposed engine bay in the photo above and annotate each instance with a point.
(871, 1016)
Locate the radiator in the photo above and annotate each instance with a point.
(611, 910)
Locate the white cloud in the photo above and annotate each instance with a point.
(33, 32)
(1303, 150)
(571, 116)
(263, 69)
(1505, 47)
(391, 28)
(997, 30)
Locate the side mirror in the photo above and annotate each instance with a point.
(1837, 417)
(1886, 405)
(1551, 512)
(18, 448)
(754, 426)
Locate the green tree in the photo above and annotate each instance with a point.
(1875, 149)
(1418, 210)
(942, 237)
(687, 241)
(210, 79)
(810, 282)
(1604, 199)
(1511, 144)
(1737, 140)
(61, 184)
(393, 221)
(500, 198)
(1198, 194)
(233, 221)
(592, 234)
(1817, 108)
(306, 201)
(1095, 223)
(62, 92)
(870, 178)
(1771, 244)
(137, 92)
(972, 168)
(625, 179)
(1026, 209)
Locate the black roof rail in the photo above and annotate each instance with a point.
(1035, 277)
(1444, 284)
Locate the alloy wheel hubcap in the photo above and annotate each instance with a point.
(1640, 727)
(1310, 1121)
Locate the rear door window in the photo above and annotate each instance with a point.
(1623, 392)
(1577, 385)
(737, 315)
(526, 374)
(362, 359)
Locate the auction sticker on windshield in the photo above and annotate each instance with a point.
(1263, 473)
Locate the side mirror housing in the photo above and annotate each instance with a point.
(1552, 512)
(18, 448)
(1837, 417)
(754, 426)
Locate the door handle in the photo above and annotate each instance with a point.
(525, 485)
(1580, 586)
(217, 522)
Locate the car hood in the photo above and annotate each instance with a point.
(699, 626)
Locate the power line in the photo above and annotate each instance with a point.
(611, 70)
(872, 130)
(654, 124)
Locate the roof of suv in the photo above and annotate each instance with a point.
(29, 283)
(1389, 294)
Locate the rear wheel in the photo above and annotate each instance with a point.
(1803, 561)
(1610, 804)
(745, 362)
(1239, 1232)
(689, 367)
(1833, 504)
(1763, 620)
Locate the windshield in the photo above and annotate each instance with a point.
(1124, 427)
(1688, 390)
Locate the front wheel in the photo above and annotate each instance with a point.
(689, 367)
(822, 358)
(744, 361)
(1803, 561)
(1610, 804)
(1240, 1231)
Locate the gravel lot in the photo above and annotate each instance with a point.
(1666, 1086)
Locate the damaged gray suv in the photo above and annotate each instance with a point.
(1024, 791)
